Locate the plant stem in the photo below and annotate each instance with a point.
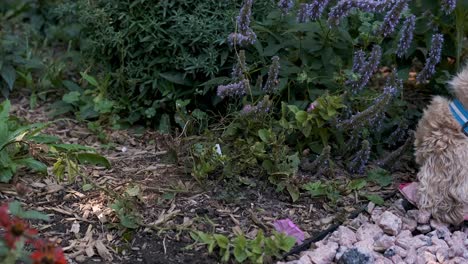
(459, 27)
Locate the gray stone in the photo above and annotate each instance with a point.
(424, 229)
(324, 254)
(355, 256)
(383, 243)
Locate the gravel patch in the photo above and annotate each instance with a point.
(390, 236)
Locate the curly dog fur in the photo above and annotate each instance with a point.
(441, 149)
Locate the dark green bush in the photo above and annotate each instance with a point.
(158, 51)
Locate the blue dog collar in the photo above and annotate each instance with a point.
(460, 114)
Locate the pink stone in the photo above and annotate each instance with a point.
(358, 221)
(384, 242)
(397, 259)
(409, 224)
(456, 243)
(439, 226)
(390, 223)
(457, 260)
(382, 260)
(428, 256)
(400, 251)
(324, 254)
(423, 217)
(340, 252)
(412, 256)
(376, 213)
(408, 242)
(368, 232)
(344, 236)
(365, 245)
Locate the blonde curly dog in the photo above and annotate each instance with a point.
(441, 149)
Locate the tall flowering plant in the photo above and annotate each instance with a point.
(17, 235)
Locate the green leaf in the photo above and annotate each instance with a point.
(301, 116)
(16, 210)
(33, 164)
(87, 187)
(380, 176)
(239, 249)
(227, 254)
(223, 241)
(5, 174)
(90, 79)
(293, 192)
(8, 74)
(264, 135)
(287, 243)
(93, 158)
(34, 215)
(72, 147)
(128, 221)
(71, 97)
(175, 77)
(375, 199)
(45, 139)
(357, 184)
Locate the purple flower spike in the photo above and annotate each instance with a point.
(406, 37)
(393, 17)
(286, 6)
(287, 227)
(433, 58)
(448, 6)
(244, 35)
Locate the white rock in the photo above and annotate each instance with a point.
(390, 223)
(384, 242)
(344, 236)
(368, 232)
(324, 254)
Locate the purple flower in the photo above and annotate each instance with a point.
(359, 161)
(303, 13)
(312, 106)
(359, 60)
(344, 7)
(406, 37)
(233, 89)
(244, 35)
(286, 226)
(393, 17)
(448, 6)
(242, 39)
(373, 115)
(261, 108)
(272, 81)
(433, 58)
(286, 6)
(365, 68)
(316, 8)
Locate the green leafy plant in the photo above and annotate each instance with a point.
(256, 250)
(25, 146)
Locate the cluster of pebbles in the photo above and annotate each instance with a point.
(394, 235)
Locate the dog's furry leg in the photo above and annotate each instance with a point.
(442, 187)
